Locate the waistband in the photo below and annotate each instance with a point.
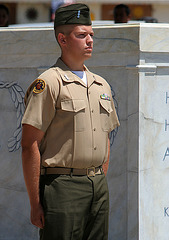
(90, 172)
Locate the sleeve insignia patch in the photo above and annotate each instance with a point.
(39, 86)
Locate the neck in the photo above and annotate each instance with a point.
(73, 65)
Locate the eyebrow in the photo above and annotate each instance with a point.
(84, 31)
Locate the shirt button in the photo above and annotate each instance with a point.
(94, 148)
(94, 129)
(92, 110)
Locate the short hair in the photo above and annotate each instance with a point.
(4, 8)
(126, 8)
(64, 29)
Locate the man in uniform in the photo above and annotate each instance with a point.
(69, 114)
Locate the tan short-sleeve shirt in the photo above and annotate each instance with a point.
(75, 118)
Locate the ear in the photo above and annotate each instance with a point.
(61, 39)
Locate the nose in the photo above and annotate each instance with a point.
(89, 39)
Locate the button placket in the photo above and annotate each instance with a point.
(93, 117)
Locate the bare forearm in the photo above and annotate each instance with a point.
(105, 167)
(31, 138)
(31, 170)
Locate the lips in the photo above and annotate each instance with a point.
(89, 49)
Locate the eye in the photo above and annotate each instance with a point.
(81, 35)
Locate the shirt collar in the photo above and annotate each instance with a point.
(68, 76)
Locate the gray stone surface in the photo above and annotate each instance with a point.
(134, 59)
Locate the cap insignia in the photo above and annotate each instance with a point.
(78, 14)
(39, 86)
(105, 97)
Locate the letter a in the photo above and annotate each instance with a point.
(166, 154)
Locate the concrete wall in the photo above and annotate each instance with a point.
(134, 60)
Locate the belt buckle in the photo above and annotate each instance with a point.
(91, 169)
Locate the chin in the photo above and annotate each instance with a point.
(88, 55)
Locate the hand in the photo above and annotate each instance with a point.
(37, 216)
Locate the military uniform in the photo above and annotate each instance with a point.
(76, 119)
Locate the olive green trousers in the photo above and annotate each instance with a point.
(75, 207)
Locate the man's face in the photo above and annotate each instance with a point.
(3, 18)
(121, 16)
(79, 42)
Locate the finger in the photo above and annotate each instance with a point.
(37, 222)
(43, 221)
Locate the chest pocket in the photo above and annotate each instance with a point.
(76, 111)
(105, 112)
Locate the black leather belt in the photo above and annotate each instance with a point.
(92, 171)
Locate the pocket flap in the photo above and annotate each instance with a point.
(73, 105)
(106, 105)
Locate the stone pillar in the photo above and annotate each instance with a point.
(136, 66)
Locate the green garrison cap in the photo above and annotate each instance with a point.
(72, 14)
